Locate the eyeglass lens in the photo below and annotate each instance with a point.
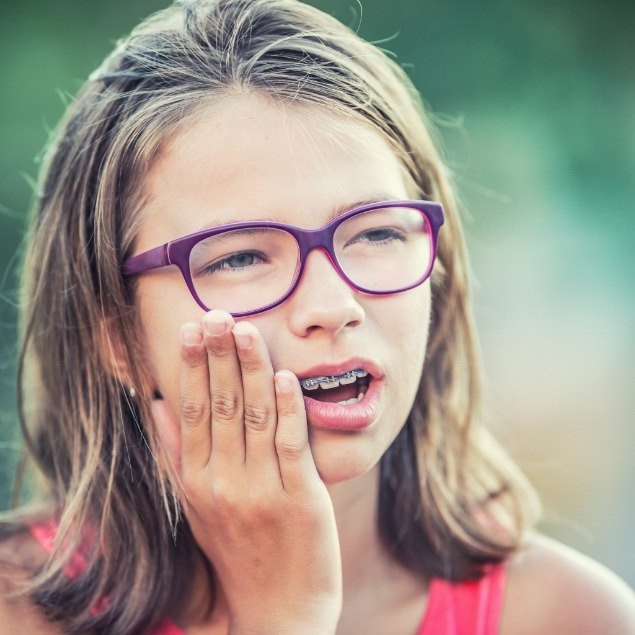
(242, 270)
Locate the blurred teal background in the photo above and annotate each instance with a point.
(536, 103)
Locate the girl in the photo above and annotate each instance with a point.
(249, 374)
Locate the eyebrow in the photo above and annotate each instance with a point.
(336, 211)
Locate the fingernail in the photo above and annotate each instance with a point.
(215, 323)
(191, 335)
(284, 383)
(242, 335)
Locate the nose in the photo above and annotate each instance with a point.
(323, 300)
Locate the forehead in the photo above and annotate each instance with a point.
(250, 159)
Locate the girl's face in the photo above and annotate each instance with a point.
(249, 159)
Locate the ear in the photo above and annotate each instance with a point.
(113, 353)
(116, 361)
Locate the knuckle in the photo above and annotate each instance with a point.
(224, 502)
(291, 446)
(193, 357)
(225, 407)
(257, 417)
(193, 412)
(218, 348)
(191, 485)
(251, 364)
(219, 492)
(227, 502)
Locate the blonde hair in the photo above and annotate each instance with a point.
(450, 499)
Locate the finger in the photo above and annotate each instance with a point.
(297, 468)
(226, 390)
(196, 440)
(259, 407)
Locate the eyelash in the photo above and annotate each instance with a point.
(217, 266)
(392, 235)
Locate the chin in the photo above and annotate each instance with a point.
(341, 456)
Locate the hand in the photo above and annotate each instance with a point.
(251, 491)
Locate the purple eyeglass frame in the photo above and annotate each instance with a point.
(177, 252)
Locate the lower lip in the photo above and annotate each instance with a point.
(334, 416)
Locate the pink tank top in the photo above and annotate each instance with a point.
(463, 608)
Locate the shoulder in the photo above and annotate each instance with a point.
(20, 555)
(554, 589)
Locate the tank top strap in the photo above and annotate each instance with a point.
(44, 533)
(167, 627)
(466, 608)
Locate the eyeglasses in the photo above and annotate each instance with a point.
(250, 267)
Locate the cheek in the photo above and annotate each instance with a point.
(404, 324)
(405, 329)
(168, 431)
(161, 322)
(161, 343)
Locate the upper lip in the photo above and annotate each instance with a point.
(338, 368)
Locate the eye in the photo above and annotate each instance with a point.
(379, 235)
(235, 262)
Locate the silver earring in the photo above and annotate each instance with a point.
(132, 391)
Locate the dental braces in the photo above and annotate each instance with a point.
(358, 372)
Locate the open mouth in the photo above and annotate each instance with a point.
(346, 394)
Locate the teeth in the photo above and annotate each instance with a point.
(325, 383)
(352, 400)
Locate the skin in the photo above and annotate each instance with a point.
(280, 163)
(297, 166)
(288, 480)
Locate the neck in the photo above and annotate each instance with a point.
(355, 506)
(374, 583)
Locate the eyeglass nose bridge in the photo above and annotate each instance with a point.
(322, 239)
(310, 239)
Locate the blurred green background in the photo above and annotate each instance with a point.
(536, 103)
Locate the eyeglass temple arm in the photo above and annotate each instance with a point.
(152, 259)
